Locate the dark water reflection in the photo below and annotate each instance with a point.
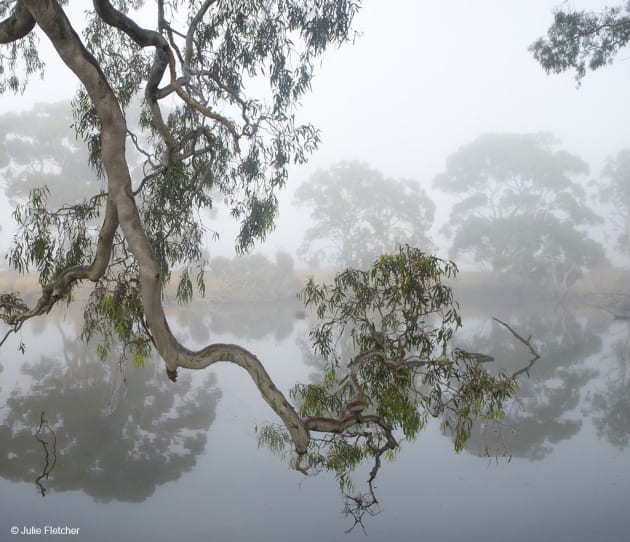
(182, 460)
(115, 434)
(546, 411)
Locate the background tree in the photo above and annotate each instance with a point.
(615, 190)
(359, 214)
(581, 40)
(39, 148)
(253, 278)
(519, 208)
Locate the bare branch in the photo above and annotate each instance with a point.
(526, 342)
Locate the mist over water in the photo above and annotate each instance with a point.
(439, 130)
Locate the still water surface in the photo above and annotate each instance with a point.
(149, 460)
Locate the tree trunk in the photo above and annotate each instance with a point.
(50, 17)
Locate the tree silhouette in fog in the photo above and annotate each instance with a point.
(520, 208)
(359, 213)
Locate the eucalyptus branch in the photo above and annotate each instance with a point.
(194, 24)
(55, 290)
(145, 38)
(17, 25)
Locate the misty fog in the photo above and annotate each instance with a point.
(439, 130)
(420, 81)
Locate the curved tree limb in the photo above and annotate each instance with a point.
(353, 410)
(17, 25)
(193, 28)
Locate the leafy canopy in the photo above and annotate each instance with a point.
(581, 40)
(520, 208)
(383, 336)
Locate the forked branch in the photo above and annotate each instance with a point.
(527, 342)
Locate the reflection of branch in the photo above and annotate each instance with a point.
(358, 506)
(49, 466)
(526, 342)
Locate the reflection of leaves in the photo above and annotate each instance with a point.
(241, 320)
(614, 403)
(538, 417)
(614, 423)
(153, 435)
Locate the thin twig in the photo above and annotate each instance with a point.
(49, 465)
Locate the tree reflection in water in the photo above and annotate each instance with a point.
(543, 411)
(46, 436)
(611, 406)
(152, 435)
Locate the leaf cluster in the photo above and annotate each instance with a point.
(115, 319)
(52, 241)
(19, 60)
(383, 336)
(581, 40)
(388, 307)
(236, 142)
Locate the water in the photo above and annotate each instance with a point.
(160, 461)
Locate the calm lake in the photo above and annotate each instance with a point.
(135, 457)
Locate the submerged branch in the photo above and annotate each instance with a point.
(49, 464)
(526, 342)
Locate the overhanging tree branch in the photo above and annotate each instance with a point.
(57, 288)
(53, 21)
(17, 25)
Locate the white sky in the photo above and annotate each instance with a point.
(426, 77)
